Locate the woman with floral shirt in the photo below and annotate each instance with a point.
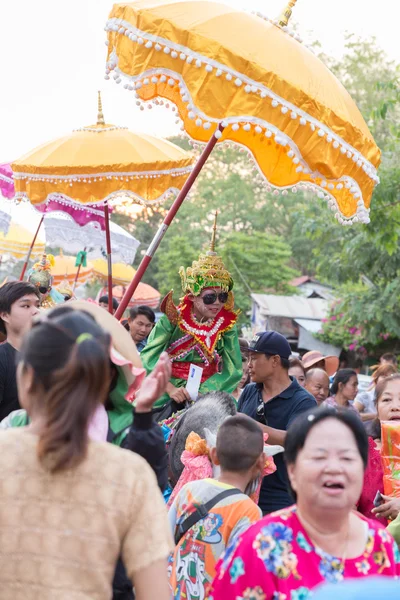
(321, 538)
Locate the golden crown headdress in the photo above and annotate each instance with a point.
(40, 274)
(207, 271)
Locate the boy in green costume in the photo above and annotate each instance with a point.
(200, 330)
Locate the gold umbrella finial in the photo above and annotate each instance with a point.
(287, 13)
(214, 233)
(100, 116)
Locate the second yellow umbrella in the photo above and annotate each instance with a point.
(97, 164)
(17, 242)
(100, 162)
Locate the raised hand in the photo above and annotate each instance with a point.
(154, 386)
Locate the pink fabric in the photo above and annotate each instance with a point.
(98, 426)
(195, 468)
(276, 560)
(6, 181)
(200, 467)
(373, 482)
(139, 374)
(82, 214)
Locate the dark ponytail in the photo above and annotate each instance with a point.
(69, 355)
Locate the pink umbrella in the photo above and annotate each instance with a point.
(81, 214)
(6, 181)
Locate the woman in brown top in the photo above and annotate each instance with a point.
(70, 506)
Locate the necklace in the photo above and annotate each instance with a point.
(308, 528)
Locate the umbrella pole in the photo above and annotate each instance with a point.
(151, 250)
(78, 271)
(21, 277)
(109, 264)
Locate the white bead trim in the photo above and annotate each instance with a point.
(125, 28)
(88, 178)
(362, 213)
(268, 130)
(285, 28)
(117, 195)
(100, 129)
(6, 179)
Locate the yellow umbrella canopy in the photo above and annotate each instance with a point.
(121, 273)
(273, 95)
(121, 276)
(18, 240)
(65, 270)
(101, 162)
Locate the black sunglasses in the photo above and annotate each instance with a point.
(212, 298)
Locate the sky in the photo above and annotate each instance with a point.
(53, 56)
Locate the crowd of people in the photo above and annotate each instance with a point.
(111, 490)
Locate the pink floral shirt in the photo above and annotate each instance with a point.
(276, 560)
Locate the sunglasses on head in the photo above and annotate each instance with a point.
(212, 297)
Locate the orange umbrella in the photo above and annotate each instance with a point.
(144, 294)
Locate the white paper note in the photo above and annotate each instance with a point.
(194, 380)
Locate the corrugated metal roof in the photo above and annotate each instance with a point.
(294, 307)
(311, 325)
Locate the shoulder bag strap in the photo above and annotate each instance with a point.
(201, 512)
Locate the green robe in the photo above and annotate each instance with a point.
(165, 333)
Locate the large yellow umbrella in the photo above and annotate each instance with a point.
(223, 67)
(99, 163)
(18, 240)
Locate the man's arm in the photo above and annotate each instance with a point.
(278, 436)
(275, 436)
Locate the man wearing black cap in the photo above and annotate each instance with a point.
(274, 400)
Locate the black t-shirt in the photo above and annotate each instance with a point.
(279, 413)
(8, 380)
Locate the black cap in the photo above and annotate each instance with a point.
(270, 342)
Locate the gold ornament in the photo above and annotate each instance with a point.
(40, 274)
(65, 289)
(207, 271)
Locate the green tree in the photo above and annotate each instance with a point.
(258, 264)
(364, 261)
(177, 251)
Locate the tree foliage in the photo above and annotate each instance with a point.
(363, 262)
